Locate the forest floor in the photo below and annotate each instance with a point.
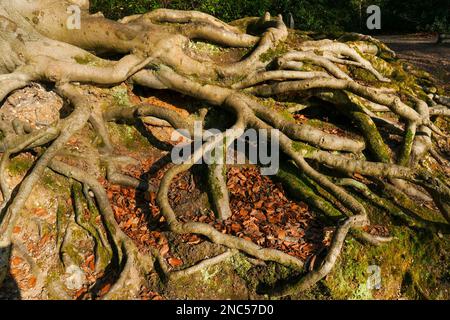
(421, 50)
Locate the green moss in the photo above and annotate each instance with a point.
(407, 145)
(261, 277)
(128, 136)
(362, 74)
(206, 47)
(354, 108)
(380, 65)
(215, 187)
(52, 182)
(305, 149)
(215, 282)
(88, 59)
(209, 273)
(241, 265)
(71, 249)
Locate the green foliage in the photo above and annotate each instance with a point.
(319, 15)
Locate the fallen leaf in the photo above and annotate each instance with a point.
(358, 176)
(80, 292)
(235, 227)
(282, 234)
(40, 212)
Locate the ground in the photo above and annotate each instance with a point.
(410, 269)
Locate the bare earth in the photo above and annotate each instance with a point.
(422, 51)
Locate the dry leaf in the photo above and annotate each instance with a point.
(40, 212)
(32, 282)
(282, 234)
(90, 262)
(17, 229)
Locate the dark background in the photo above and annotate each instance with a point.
(398, 16)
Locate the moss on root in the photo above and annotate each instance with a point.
(127, 136)
(409, 269)
(272, 53)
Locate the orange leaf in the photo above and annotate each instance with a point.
(90, 262)
(80, 292)
(164, 250)
(175, 262)
(282, 234)
(358, 176)
(235, 227)
(16, 230)
(44, 240)
(32, 282)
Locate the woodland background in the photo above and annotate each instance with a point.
(398, 16)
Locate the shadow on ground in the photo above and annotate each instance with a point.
(9, 289)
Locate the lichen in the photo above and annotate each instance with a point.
(305, 149)
(206, 47)
(120, 96)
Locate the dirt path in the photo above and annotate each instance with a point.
(422, 51)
